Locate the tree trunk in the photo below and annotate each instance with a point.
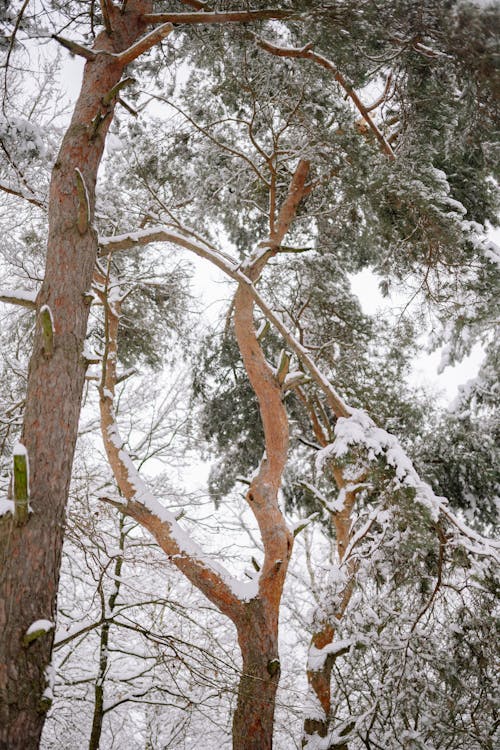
(30, 554)
(253, 720)
(256, 620)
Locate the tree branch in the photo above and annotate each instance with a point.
(165, 234)
(19, 194)
(238, 16)
(125, 57)
(105, 17)
(21, 297)
(144, 44)
(211, 578)
(306, 53)
(75, 48)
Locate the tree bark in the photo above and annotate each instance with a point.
(253, 720)
(30, 554)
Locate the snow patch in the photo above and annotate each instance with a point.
(359, 429)
(244, 590)
(317, 656)
(20, 450)
(6, 506)
(42, 626)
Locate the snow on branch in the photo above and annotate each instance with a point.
(144, 44)
(359, 430)
(36, 630)
(128, 55)
(21, 297)
(317, 656)
(353, 425)
(231, 267)
(210, 577)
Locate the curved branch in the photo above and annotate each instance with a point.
(211, 578)
(166, 234)
(262, 495)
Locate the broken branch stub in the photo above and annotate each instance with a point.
(20, 484)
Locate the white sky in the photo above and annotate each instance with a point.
(425, 367)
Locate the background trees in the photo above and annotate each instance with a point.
(292, 152)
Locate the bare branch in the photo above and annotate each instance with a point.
(75, 48)
(296, 192)
(105, 16)
(19, 194)
(11, 47)
(114, 92)
(383, 96)
(220, 144)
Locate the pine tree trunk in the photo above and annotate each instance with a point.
(30, 554)
(253, 720)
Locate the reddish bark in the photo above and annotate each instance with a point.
(30, 554)
(258, 628)
(256, 620)
(253, 720)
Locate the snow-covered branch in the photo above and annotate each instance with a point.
(226, 592)
(21, 297)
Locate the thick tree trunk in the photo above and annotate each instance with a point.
(253, 720)
(30, 554)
